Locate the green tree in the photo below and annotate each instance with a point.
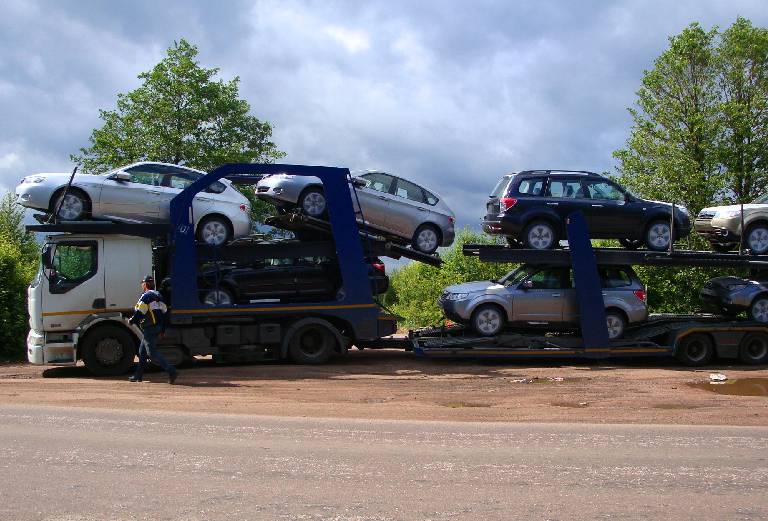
(12, 228)
(743, 85)
(180, 114)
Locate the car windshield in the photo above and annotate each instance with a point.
(517, 275)
(762, 199)
(110, 172)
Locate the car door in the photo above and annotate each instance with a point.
(569, 299)
(137, 199)
(409, 208)
(607, 216)
(375, 199)
(565, 195)
(539, 297)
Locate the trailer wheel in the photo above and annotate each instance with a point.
(312, 343)
(695, 350)
(488, 320)
(108, 350)
(753, 349)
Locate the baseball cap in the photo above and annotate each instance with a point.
(148, 278)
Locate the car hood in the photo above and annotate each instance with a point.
(61, 177)
(747, 207)
(472, 287)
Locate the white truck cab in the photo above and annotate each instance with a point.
(84, 290)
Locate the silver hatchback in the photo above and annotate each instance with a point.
(391, 205)
(543, 297)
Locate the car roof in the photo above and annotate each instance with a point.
(584, 173)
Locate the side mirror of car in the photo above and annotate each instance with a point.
(122, 177)
(359, 183)
(526, 285)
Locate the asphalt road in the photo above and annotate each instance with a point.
(83, 464)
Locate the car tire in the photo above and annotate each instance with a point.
(758, 309)
(658, 235)
(108, 350)
(75, 205)
(540, 235)
(488, 320)
(631, 244)
(616, 323)
(719, 247)
(426, 239)
(757, 239)
(312, 202)
(218, 297)
(214, 230)
(312, 344)
(695, 350)
(753, 348)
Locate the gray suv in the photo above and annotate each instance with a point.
(732, 295)
(543, 297)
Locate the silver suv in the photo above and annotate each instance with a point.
(543, 296)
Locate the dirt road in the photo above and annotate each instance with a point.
(396, 385)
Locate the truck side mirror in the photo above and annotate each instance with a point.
(526, 285)
(122, 177)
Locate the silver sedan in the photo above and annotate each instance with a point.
(391, 205)
(140, 192)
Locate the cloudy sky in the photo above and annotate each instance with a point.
(451, 94)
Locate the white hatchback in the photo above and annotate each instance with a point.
(140, 192)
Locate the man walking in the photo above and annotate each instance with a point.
(150, 313)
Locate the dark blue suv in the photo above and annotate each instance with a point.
(531, 208)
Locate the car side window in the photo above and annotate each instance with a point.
(565, 189)
(615, 278)
(378, 181)
(430, 198)
(409, 191)
(603, 190)
(181, 178)
(146, 175)
(531, 186)
(547, 279)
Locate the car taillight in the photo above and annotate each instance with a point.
(451, 219)
(244, 207)
(507, 202)
(379, 266)
(641, 294)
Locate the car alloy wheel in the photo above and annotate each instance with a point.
(72, 207)
(759, 309)
(313, 203)
(426, 240)
(217, 297)
(659, 236)
(615, 324)
(757, 239)
(488, 320)
(214, 232)
(540, 236)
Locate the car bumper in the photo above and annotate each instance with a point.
(449, 235)
(717, 230)
(241, 225)
(34, 195)
(503, 224)
(456, 310)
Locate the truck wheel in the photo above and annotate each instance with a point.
(312, 201)
(758, 310)
(757, 238)
(695, 350)
(488, 320)
(753, 349)
(312, 344)
(108, 351)
(616, 324)
(540, 235)
(658, 236)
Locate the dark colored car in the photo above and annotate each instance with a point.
(531, 208)
(733, 295)
(306, 279)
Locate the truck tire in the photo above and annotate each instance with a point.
(108, 350)
(753, 349)
(312, 343)
(695, 350)
(488, 320)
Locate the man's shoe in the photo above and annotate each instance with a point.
(134, 379)
(172, 377)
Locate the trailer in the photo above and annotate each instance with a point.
(694, 339)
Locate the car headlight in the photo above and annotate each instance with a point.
(456, 296)
(727, 214)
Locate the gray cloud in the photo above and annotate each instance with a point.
(450, 94)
